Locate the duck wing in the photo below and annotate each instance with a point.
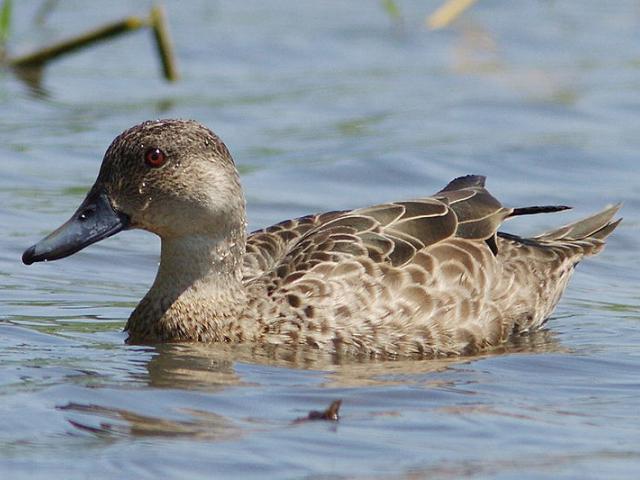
(390, 233)
(266, 247)
(479, 213)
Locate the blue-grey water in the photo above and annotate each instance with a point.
(325, 105)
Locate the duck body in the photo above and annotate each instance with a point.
(424, 278)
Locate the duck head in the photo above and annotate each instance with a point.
(174, 178)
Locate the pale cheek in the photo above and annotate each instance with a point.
(170, 219)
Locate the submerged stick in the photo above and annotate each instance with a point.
(44, 55)
(332, 413)
(163, 43)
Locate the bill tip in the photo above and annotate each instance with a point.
(27, 256)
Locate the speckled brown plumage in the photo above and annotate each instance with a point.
(409, 278)
(425, 277)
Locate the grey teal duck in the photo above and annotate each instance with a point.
(425, 277)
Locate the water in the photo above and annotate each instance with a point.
(325, 105)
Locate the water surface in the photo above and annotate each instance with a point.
(325, 105)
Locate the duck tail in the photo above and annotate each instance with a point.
(537, 209)
(591, 232)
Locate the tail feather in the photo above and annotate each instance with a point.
(605, 231)
(598, 226)
(537, 209)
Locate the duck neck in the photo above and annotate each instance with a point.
(198, 292)
(200, 260)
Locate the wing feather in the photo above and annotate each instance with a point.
(391, 233)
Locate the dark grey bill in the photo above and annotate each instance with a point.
(94, 220)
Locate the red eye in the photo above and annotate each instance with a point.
(154, 157)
